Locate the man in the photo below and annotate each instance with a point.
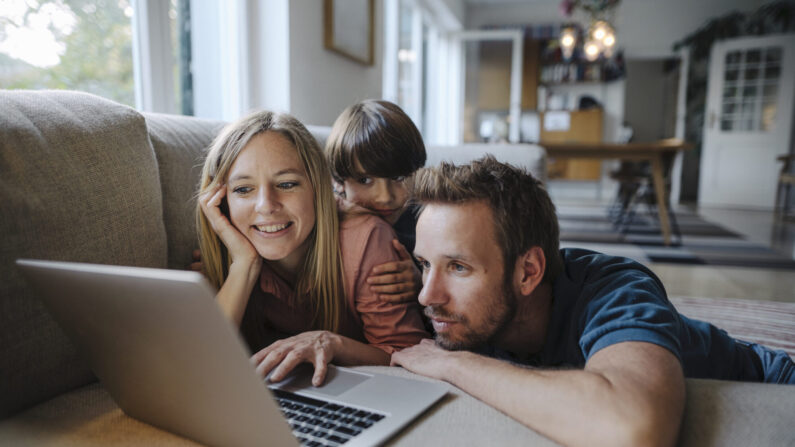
(495, 282)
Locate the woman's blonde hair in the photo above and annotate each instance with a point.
(320, 276)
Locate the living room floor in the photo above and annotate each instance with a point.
(729, 282)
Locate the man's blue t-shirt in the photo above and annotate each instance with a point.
(600, 300)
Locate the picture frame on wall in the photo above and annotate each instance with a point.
(349, 28)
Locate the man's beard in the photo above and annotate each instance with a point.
(495, 323)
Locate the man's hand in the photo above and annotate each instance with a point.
(396, 281)
(427, 359)
(281, 357)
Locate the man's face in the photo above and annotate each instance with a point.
(464, 289)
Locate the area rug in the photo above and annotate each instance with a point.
(701, 242)
(765, 322)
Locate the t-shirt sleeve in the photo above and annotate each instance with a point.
(387, 326)
(628, 304)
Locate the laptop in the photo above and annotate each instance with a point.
(165, 352)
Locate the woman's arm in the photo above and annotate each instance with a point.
(246, 262)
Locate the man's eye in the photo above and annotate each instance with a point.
(424, 265)
(458, 268)
(399, 178)
(242, 190)
(365, 180)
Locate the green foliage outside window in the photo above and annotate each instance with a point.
(95, 53)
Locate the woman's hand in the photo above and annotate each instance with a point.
(396, 281)
(239, 247)
(316, 347)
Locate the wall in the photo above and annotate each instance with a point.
(323, 83)
(644, 99)
(644, 28)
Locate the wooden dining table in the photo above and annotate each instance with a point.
(659, 154)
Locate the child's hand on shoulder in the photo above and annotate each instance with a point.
(397, 281)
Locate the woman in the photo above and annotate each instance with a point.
(273, 245)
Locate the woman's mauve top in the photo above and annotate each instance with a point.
(365, 241)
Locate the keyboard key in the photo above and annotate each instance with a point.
(319, 434)
(363, 424)
(375, 417)
(332, 407)
(347, 410)
(339, 439)
(362, 413)
(305, 430)
(328, 425)
(347, 431)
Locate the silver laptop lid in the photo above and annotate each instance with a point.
(155, 340)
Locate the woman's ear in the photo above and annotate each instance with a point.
(529, 270)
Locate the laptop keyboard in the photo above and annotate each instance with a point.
(319, 423)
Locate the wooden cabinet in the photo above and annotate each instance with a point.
(585, 126)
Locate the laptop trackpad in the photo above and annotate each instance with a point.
(337, 381)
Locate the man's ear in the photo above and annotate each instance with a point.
(529, 270)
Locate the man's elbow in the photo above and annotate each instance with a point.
(648, 429)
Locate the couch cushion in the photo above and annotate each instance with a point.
(78, 182)
(180, 143)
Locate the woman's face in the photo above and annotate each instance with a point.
(271, 200)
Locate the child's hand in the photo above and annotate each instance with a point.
(396, 281)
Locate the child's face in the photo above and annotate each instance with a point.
(271, 200)
(383, 196)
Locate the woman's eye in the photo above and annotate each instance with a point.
(365, 180)
(399, 178)
(424, 265)
(242, 190)
(287, 185)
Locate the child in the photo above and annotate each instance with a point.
(373, 150)
(272, 243)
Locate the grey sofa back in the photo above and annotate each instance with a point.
(78, 182)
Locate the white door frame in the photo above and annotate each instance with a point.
(457, 93)
(714, 158)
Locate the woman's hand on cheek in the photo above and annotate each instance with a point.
(396, 281)
(239, 246)
(281, 357)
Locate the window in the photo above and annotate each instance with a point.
(80, 45)
(88, 45)
(750, 86)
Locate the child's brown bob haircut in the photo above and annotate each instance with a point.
(377, 135)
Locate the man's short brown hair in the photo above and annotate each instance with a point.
(524, 215)
(379, 136)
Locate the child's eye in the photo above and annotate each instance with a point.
(365, 180)
(242, 190)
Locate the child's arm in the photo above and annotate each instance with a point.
(397, 281)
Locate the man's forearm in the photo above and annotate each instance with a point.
(573, 407)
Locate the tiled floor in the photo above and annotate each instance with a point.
(732, 282)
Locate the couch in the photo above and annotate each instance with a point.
(86, 179)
